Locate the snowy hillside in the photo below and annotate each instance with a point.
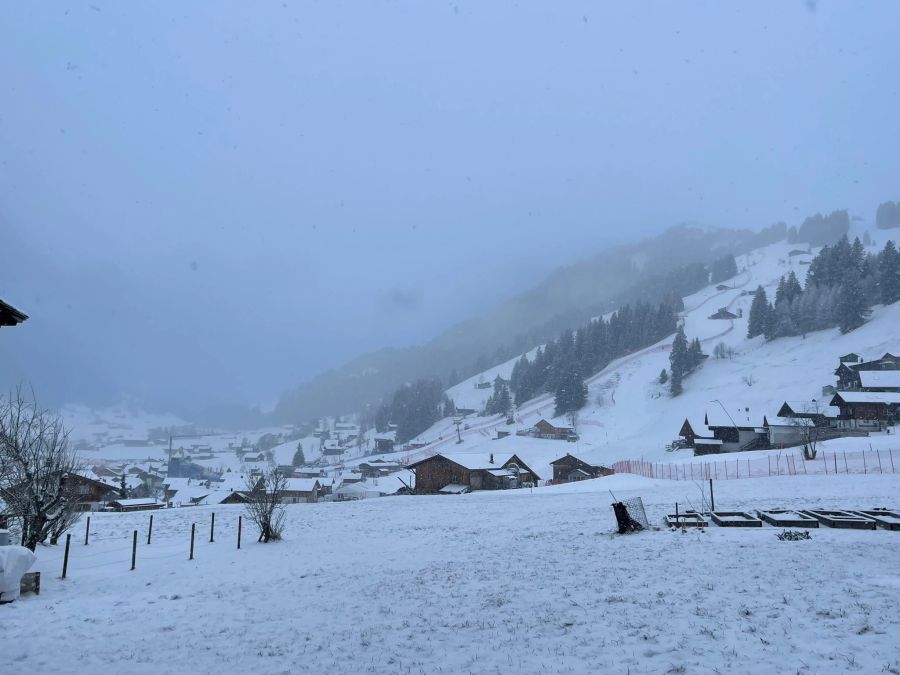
(629, 415)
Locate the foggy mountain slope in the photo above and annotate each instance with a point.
(568, 296)
(629, 415)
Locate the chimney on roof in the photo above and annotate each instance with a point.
(492, 458)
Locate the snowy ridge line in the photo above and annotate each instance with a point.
(790, 464)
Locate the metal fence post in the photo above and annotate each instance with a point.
(66, 556)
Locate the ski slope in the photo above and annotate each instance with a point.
(630, 416)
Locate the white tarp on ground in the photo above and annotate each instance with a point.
(14, 562)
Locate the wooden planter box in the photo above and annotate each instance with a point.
(734, 519)
(888, 520)
(687, 520)
(843, 519)
(787, 518)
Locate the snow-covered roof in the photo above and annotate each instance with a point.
(136, 502)
(454, 489)
(879, 378)
(477, 460)
(708, 441)
(776, 421)
(736, 416)
(301, 484)
(888, 397)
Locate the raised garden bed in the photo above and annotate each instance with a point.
(888, 520)
(689, 519)
(734, 519)
(787, 518)
(843, 519)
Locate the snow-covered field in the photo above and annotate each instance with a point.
(503, 582)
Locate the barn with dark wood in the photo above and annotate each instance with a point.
(543, 429)
(92, 494)
(848, 372)
(378, 467)
(867, 409)
(724, 313)
(10, 316)
(568, 469)
(472, 471)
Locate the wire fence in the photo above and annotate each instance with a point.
(781, 464)
(143, 541)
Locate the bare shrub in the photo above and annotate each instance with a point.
(264, 507)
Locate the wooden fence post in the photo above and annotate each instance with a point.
(212, 529)
(150, 530)
(87, 530)
(892, 459)
(133, 550)
(66, 556)
(865, 469)
(878, 454)
(193, 530)
(846, 466)
(239, 531)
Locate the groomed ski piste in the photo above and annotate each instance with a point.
(525, 581)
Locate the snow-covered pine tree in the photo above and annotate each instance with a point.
(851, 310)
(571, 392)
(889, 274)
(759, 308)
(678, 361)
(792, 287)
(299, 458)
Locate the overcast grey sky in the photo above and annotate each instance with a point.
(214, 200)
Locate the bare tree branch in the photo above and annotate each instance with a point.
(36, 464)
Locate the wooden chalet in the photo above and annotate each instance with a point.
(867, 409)
(731, 432)
(568, 469)
(301, 491)
(378, 467)
(471, 471)
(724, 313)
(543, 429)
(384, 444)
(10, 316)
(821, 415)
(92, 494)
(332, 449)
(848, 373)
(691, 431)
(236, 497)
(852, 357)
